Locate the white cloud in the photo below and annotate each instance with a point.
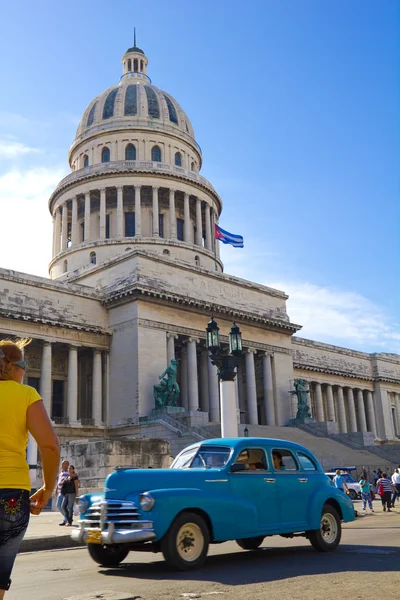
(26, 232)
(340, 317)
(14, 149)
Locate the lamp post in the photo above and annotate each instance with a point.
(226, 364)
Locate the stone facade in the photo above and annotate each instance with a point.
(135, 274)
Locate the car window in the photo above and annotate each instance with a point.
(183, 461)
(283, 460)
(251, 459)
(306, 464)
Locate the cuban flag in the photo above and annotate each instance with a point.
(228, 238)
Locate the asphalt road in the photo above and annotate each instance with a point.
(366, 565)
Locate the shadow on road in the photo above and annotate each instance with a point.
(269, 564)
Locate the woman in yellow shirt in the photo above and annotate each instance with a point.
(21, 411)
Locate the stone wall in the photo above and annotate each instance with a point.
(94, 459)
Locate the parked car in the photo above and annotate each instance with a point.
(242, 489)
(354, 487)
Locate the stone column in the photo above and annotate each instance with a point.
(103, 214)
(371, 413)
(156, 232)
(213, 392)
(45, 377)
(97, 395)
(171, 337)
(204, 402)
(319, 405)
(331, 405)
(184, 379)
(72, 385)
(269, 406)
(74, 222)
(361, 411)
(352, 410)
(138, 212)
(87, 217)
(251, 387)
(341, 410)
(64, 227)
(120, 211)
(186, 217)
(199, 224)
(172, 215)
(193, 386)
(208, 241)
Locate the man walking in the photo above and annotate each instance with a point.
(339, 482)
(61, 478)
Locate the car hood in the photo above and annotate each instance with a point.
(125, 482)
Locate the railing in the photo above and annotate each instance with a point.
(137, 123)
(61, 420)
(132, 75)
(133, 165)
(87, 422)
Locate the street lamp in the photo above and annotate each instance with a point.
(226, 364)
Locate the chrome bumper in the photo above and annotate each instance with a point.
(117, 536)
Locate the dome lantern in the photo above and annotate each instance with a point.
(134, 62)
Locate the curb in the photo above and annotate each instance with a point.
(34, 544)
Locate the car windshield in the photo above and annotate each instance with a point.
(204, 457)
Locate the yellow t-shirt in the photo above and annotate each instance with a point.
(15, 399)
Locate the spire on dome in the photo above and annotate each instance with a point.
(134, 47)
(135, 62)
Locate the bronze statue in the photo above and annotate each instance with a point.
(302, 390)
(166, 393)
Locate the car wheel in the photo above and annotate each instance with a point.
(250, 543)
(108, 555)
(353, 494)
(185, 545)
(327, 537)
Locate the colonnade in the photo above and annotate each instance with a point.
(71, 406)
(352, 408)
(66, 232)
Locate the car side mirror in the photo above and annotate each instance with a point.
(236, 467)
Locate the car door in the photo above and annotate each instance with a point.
(293, 489)
(256, 484)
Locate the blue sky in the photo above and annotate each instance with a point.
(296, 107)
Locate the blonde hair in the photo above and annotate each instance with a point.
(13, 352)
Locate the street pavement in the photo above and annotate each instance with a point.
(365, 566)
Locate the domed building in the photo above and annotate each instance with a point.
(136, 273)
(135, 181)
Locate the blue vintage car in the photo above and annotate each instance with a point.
(242, 489)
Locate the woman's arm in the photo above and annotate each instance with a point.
(39, 425)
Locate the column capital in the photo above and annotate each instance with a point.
(137, 187)
(97, 351)
(250, 351)
(155, 188)
(172, 190)
(47, 343)
(172, 335)
(102, 190)
(119, 187)
(73, 347)
(267, 353)
(193, 339)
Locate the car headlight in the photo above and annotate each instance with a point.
(146, 501)
(83, 504)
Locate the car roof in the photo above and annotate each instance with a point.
(240, 442)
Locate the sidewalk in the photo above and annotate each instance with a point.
(44, 533)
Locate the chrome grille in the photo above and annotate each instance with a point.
(119, 512)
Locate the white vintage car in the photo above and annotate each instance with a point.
(354, 487)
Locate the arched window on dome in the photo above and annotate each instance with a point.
(90, 118)
(130, 152)
(197, 260)
(108, 110)
(105, 155)
(93, 258)
(166, 252)
(178, 159)
(85, 161)
(135, 65)
(171, 110)
(156, 154)
(65, 266)
(192, 167)
(129, 65)
(131, 100)
(152, 102)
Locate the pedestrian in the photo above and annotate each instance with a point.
(375, 477)
(69, 491)
(62, 476)
(21, 411)
(396, 483)
(365, 488)
(339, 482)
(385, 487)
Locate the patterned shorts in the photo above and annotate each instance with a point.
(14, 519)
